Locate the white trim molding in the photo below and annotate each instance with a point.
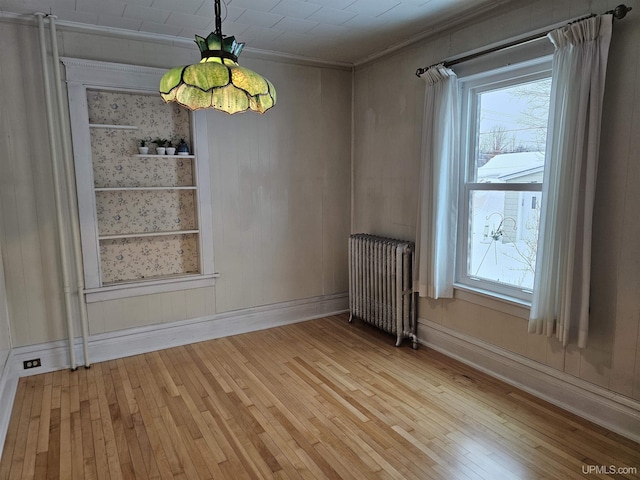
(8, 388)
(134, 341)
(135, 289)
(159, 38)
(603, 407)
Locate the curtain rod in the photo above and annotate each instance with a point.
(619, 12)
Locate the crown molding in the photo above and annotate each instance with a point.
(249, 52)
(485, 11)
(459, 20)
(256, 53)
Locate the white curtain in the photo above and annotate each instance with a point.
(560, 301)
(438, 207)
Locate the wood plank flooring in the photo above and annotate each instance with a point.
(319, 399)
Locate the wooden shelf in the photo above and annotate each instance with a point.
(152, 279)
(150, 285)
(113, 127)
(146, 234)
(141, 189)
(164, 156)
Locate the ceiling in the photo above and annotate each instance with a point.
(341, 31)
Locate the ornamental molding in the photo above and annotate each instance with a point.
(113, 75)
(176, 41)
(110, 66)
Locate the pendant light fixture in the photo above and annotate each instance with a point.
(218, 81)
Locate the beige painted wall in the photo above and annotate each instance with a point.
(280, 190)
(28, 243)
(386, 163)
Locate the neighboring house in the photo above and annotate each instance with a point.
(521, 207)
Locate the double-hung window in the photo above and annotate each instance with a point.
(504, 124)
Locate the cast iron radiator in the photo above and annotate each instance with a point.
(380, 284)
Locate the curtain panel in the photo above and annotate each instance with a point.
(438, 207)
(560, 302)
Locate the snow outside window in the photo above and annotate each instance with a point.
(504, 128)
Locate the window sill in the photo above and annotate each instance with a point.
(495, 301)
(149, 287)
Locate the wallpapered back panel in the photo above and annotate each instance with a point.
(114, 165)
(139, 258)
(141, 211)
(145, 211)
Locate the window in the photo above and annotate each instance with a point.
(504, 125)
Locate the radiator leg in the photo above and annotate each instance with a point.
(414, 320)
(350, 317)
(412, 336)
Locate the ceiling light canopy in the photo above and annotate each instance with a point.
(218, 81)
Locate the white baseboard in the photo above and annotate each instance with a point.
(615, 412)
(8, 387)
(123, 343)
(134, 341)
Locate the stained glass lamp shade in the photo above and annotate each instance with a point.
(218, 81)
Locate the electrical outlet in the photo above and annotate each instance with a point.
(32, 363)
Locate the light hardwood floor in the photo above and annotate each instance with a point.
(320, 399)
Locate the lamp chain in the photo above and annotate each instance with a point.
(217, 11)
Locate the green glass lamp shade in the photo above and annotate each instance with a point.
(218, 81)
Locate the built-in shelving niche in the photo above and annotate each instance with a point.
(143, 218)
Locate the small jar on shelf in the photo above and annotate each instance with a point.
(183, 148)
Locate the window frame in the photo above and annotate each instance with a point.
(470, 87)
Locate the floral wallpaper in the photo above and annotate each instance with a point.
(115, 165)
(153, 117)
(140, 258)
(135, 211)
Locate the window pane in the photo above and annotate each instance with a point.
(512, 132)
(503, 236)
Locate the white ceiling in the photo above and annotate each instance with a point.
(345, 31)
